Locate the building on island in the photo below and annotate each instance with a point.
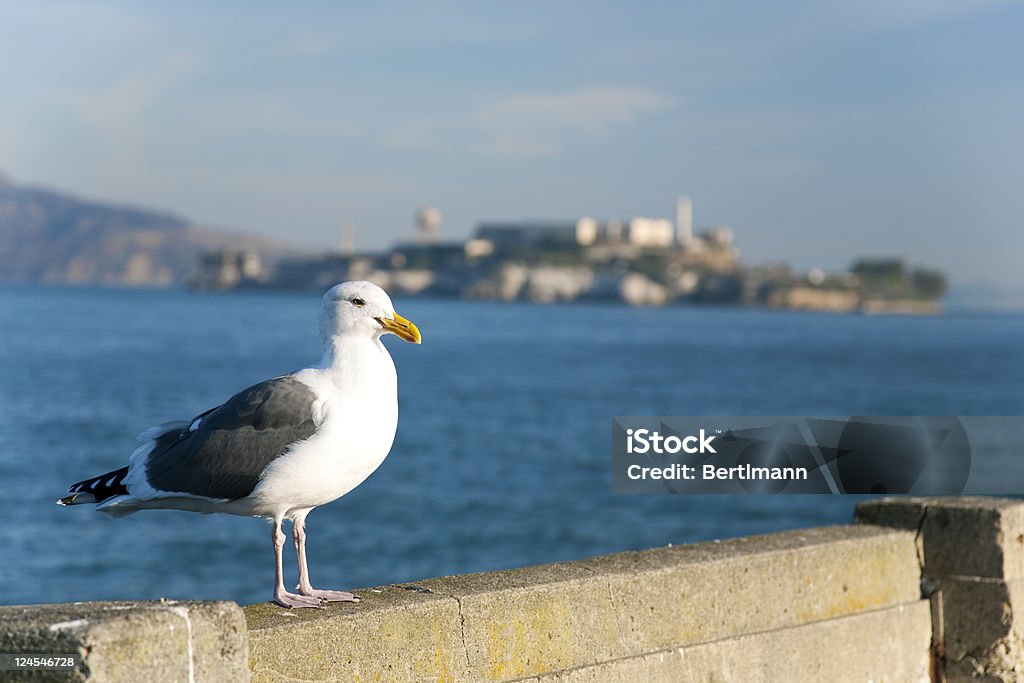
(638, 231)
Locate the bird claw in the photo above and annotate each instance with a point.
(330, 596)
(292, 600)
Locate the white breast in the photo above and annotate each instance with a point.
(356, 413)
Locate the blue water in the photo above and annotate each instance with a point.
(502, 455)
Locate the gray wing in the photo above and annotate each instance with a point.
(225, 450)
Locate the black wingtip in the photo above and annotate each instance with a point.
(96, 489)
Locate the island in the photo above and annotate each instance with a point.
(637, 261)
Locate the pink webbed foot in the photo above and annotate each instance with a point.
(286, 599)
(329, 596)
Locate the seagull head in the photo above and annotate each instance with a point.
(362, 308)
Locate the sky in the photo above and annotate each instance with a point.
(819, 132)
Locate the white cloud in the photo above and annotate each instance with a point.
(117, 113)
(538, 123)
(269, 112)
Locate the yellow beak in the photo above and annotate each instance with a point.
(398, 325)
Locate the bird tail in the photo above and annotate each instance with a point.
(96, 489)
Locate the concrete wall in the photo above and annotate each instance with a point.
(971, 554)
(917, 590)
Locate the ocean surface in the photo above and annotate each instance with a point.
(502, 455)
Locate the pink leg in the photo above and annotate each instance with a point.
(305, 588)
(281, 596)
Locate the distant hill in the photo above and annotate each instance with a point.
(50, 237)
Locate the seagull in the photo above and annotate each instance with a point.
(281, 447)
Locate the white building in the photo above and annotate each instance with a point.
(639, 231)
(649, 232)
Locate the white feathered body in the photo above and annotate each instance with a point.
(356, 415)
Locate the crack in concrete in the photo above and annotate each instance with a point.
(919, 540)
(615, 615)
(462, 629)
(931, 591)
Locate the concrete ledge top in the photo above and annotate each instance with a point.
(892, 508)
(958, 535)
(626, 564)
(512, 624)
(69, 616)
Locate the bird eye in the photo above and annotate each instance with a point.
(358, 302)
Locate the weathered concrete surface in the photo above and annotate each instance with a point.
(393, 634)
(503, 626)
(982, 637)
(962, 535)
(887, 645)
(972, 561)
(132, 641)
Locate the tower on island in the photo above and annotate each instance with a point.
(428, 225)
(684, 220)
